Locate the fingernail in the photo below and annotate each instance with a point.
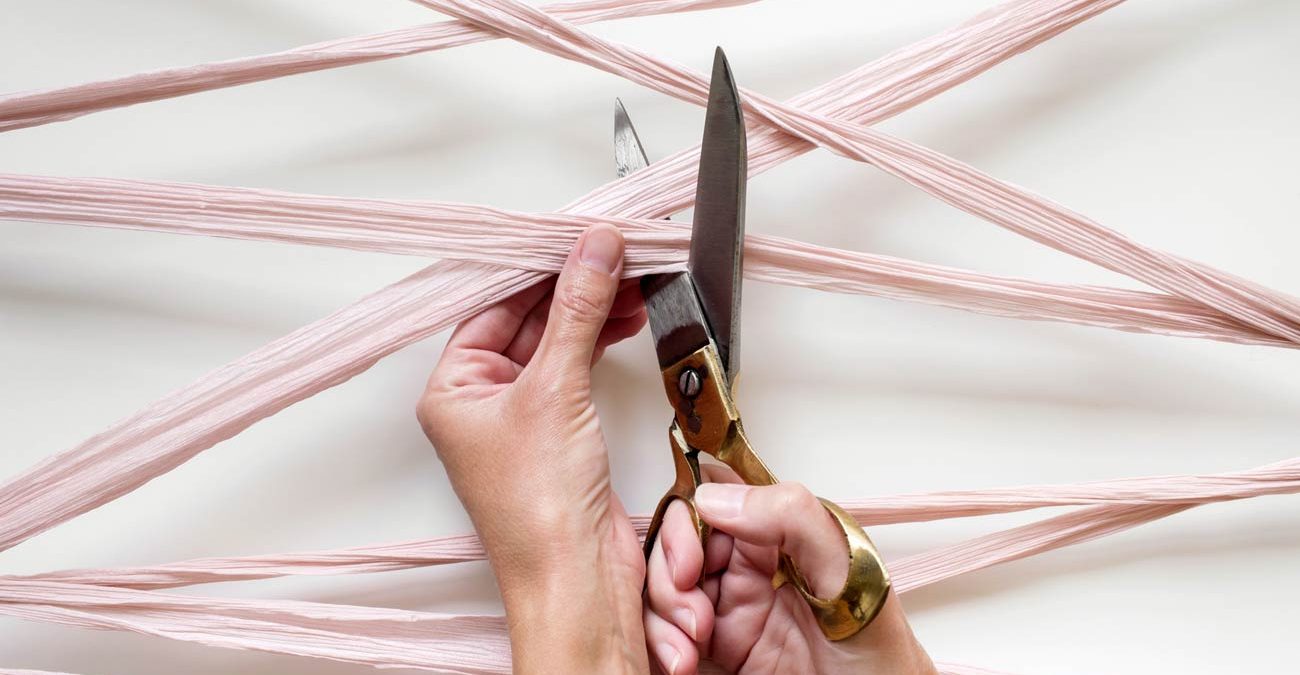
(723, 500)
(672, 562)
(669, 657)
(685, 620)
(602, 248)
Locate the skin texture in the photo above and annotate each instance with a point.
(733, 616)
(509, 410)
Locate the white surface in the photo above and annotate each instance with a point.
(1171, 121)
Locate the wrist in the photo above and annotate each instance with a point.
(572, 613)
(533, 549)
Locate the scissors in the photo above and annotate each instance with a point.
(695, 321)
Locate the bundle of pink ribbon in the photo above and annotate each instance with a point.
(488, 254)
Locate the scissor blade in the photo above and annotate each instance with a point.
(717, 239)
(676, 318)
(629, 156)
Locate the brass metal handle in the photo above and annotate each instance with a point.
(707, 421)
(687, 464)
(865, 588)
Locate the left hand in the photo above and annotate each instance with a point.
(509, 410)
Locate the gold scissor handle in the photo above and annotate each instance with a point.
(865, 588)
(707, 421)
(687, 464)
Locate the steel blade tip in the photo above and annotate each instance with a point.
(629, 155)
(620, 114)
(717, 236)
(722, 76)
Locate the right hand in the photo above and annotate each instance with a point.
(734, 617)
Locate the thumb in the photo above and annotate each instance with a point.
(787, 516)
(584, 294)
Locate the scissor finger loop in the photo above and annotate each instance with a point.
(866, 587)
(695, 318)
(687, 463)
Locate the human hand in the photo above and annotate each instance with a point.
(509, 410)
(734, 617)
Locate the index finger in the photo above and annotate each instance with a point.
(494, 328)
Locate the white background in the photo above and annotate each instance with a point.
(1174, 122)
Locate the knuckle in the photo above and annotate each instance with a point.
(432, 408)
(425, 408)
(581, 298)
(545, 392)
(422, 413)
(796, 498)
(427, 413)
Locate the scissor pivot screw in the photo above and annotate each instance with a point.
(688, 383)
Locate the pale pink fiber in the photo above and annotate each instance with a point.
(488, 254)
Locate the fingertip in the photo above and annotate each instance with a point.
(672, 650)
(712, 587)
(530, 332)
(583, 297)
(670, 658)
(786, 516)
(693, 616)
(618, 329)
(638, 319)
(601, 248)
(682, 548)
(494, 328)
(720, 503)
(627, 302)
(717, 552)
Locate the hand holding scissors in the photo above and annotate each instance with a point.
(695, 318)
